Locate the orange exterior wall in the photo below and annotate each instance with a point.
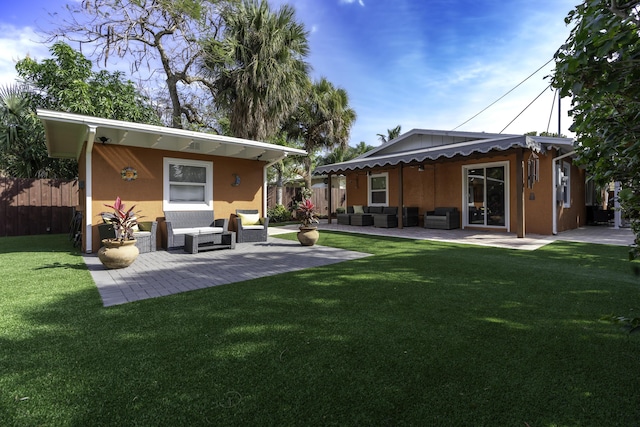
(146, 192)
(576, 215)
(440, 185)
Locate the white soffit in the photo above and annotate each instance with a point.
(66, 134)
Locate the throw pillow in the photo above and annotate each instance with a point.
(357, 209)
(249, 219)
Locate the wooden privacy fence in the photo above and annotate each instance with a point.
(36, 206)
(292, 195)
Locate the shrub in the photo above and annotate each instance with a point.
(279, 213)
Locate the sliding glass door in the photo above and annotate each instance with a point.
(487, 195)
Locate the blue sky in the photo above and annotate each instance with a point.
(429, 64)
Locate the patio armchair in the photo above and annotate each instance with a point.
(250, 227)
(442, 218)
(145, 236)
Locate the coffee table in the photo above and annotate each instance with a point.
(197, 242)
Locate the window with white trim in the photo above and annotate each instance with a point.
(188, 185)
(378, 189)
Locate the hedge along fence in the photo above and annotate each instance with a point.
(36, 206)
(319, 197)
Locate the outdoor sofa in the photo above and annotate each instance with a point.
(180, 223)
(359, 215)
(378, 216)
(389, 217)
(442, 218)
(250, 226)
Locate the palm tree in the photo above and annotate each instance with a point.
(391, 134)
(22, 153)
(322, 121)
(342, 155)
(14, 105)
(360, 149)
(259, 67)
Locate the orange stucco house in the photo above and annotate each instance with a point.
(511, 183)
(133, 161)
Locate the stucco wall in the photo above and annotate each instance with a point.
(146, 192)
(440, 185)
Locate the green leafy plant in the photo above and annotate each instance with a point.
(278, 213)
(306, 213)
(124, 221)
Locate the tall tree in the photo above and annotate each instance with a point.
(65, 83)
(154, 35)
(341, 154)
(23, 153)
(598, 68)
(391, 134)
(259, 67)
(322, 121)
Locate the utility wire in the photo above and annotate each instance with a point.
(514, 88)
(523, 110)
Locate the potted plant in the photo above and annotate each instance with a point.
(308, 234)
(120, 251)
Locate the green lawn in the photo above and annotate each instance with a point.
(421, 333)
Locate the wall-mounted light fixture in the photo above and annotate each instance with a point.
(104, 139)
(420, 168)
(236, 180)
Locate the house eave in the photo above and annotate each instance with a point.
(464, 149)
(66, 134)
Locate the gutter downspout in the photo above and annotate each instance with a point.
(265, 183)
(554, 187)
(88, 188)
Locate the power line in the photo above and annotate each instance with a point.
(523, 110)
(514, 88)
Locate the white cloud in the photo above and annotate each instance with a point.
(16, 44)
(360, 2)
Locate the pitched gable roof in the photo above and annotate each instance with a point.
(419, 145)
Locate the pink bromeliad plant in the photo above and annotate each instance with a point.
(307, 213)
(123, 220)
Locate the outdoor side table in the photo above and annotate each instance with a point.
(196, 242)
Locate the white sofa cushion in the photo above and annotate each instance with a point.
(252, 227)
(198, 230)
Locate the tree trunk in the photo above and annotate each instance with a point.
(176, 109)
(279, 188)
(307, 172)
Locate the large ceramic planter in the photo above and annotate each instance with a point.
(118, 254)
(308, 236)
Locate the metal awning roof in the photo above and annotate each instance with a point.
(447, 151)
(66, 134)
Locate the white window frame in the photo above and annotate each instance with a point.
(207, 204)
(386, 196)
(507, 192)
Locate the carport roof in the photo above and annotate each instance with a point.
(482, 144)
(66, 134)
